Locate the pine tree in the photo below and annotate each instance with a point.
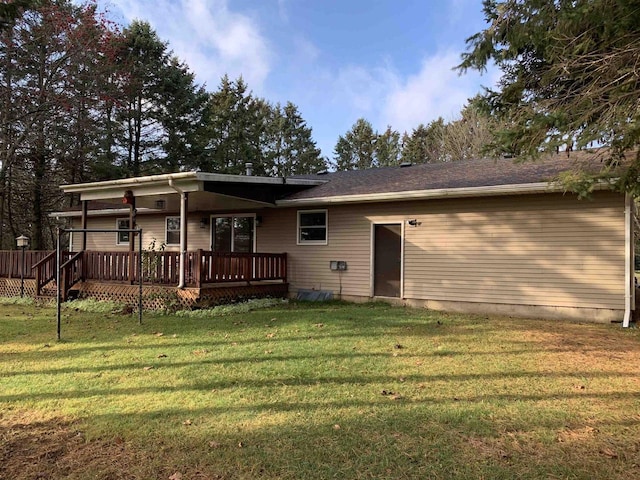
(569, 76)
(425, 144)
(355, 151)
(293, 150)
(387, 148)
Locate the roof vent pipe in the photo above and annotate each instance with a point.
(249, 167)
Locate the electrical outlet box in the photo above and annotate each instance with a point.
(338, 265)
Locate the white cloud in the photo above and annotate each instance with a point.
(435, 91)
(207, 35)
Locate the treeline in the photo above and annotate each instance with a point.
(438, 141)
(84, 100)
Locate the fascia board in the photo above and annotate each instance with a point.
(139, 190)
(128, 182)
(484, 191)
(227, 178)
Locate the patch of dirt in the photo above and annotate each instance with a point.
(54, 448)
(576, 435)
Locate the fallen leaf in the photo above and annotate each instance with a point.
(187, 422)
(176, 476)
(397, 396)
(162, 355)
(319, 325)
(336, 427)
(401, 379)
(270, 335)
(387, 392)
(214, 444)
(609, 453)
(150, 367)
(159, 334)
(398, 346)
(241, 444)
(268, 351)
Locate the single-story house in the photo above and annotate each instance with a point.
(489, 236)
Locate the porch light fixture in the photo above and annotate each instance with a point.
(414, 222)
(204, 221)
(22, 242)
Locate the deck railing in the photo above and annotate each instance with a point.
(237, 267)
(11, 262)
(201, 267)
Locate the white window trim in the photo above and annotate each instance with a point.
(299, 241)
(232, 215)
(118, 220)
(167, 230)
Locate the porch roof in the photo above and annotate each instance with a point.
(206, 189)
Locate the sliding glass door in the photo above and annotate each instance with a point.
(233, 233)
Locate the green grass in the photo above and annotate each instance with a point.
(316, 391)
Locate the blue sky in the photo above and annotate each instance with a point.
(387, 61)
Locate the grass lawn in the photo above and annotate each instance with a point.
(316, 391)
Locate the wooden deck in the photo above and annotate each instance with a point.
(210, 277)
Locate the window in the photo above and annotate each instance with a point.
(233, 234)
(122, 238)
(312, 227)
(172, 232)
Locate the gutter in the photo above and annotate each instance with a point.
(183, 230)
(483, 191)
(629, 283)
(127, 182)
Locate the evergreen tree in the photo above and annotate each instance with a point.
(235, 129)
(569, 77)
(355, 151)
(425, 144)
(387, 148)
(139, 136)
(182, 113)
(293, 150)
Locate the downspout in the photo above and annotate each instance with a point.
(628, 260)
(183, 231)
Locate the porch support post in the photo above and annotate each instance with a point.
(184, 204)
(84, 226)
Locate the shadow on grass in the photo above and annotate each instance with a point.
(388, 441)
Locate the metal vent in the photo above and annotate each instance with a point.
(161, 204)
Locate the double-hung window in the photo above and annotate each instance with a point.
(172, 231)
(122, 238)
(312, 227)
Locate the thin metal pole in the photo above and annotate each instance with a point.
(140, 276)
(58, 263)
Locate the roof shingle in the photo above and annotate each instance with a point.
(448, 175)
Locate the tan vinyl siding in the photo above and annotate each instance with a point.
(526, 250)
(153, 228)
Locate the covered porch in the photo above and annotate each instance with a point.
(200, 232)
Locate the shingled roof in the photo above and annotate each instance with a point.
(448, 175)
